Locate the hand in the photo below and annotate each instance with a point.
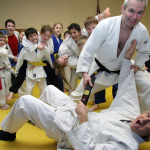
(15, 59)
(135, 67)
(41, 47)
(82, 112)
(86, 79)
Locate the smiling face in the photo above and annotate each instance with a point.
(58, 29)
(10, 28)
(141, 125)
(46, 36)
(132, 14)
(33, 38)
(74, 34)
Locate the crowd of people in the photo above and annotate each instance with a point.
(106, 45)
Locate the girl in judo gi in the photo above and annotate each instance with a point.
(56, 37)
(4, 65)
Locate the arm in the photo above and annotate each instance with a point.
(72, 61)
(64, 48)
(82, 137)
(29, 45)
(8, 65)
(3, 52)
(20, 60)
(47, 57)
(143, 50)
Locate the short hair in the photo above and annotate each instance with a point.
(74, 26)
(125, 4)
(66, 33)
(46, 28)
(90, 20)
(9, 20)
(30, 31)
(82, 40)
(2, 35)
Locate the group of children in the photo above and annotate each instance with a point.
(42, 58)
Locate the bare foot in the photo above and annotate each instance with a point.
(95, 107)
(9, 97)
(131, 50)
(5, 107)
(104, 14)
(107, 13)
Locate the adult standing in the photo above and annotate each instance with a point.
(108, 43)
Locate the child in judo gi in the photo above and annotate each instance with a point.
(4, 65)
(56, 37)
(45, 38)
(69, 48)
(33, 52)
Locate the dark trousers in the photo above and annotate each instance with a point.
(50, 72)
(100, 96)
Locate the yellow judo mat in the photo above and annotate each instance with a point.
(30, 137)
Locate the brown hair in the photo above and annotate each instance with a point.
(46, 28)
(90, 20)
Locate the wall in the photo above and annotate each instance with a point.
(35, 13)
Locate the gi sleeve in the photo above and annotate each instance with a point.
(72, 61)
(20, 60)
(8, 65)
(92, 45)
(47, 56)
(143, 50)
(81, 139)
(29, 45)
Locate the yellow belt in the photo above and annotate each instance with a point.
(38, 63)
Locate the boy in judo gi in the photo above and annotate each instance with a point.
(34, 72)
(4, 67)
(108, 44)
(69, 48)
(121, 126)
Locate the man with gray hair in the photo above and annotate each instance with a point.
(108, 44)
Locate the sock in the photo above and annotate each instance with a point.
(6, 136)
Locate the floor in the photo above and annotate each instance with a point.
(30, 137)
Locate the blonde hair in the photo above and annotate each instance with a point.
(55, 26)
(60, 69)
(82, 40)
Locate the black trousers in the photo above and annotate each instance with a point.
(50, 72)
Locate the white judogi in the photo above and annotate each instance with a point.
(69, 48)
(103, 44)
(4, 68)
(34, 74)
(103, 130)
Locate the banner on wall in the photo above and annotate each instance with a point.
(98, 8)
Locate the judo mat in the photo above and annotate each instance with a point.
(30, 137)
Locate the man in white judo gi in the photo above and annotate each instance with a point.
(73, 127)
(108, 43)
